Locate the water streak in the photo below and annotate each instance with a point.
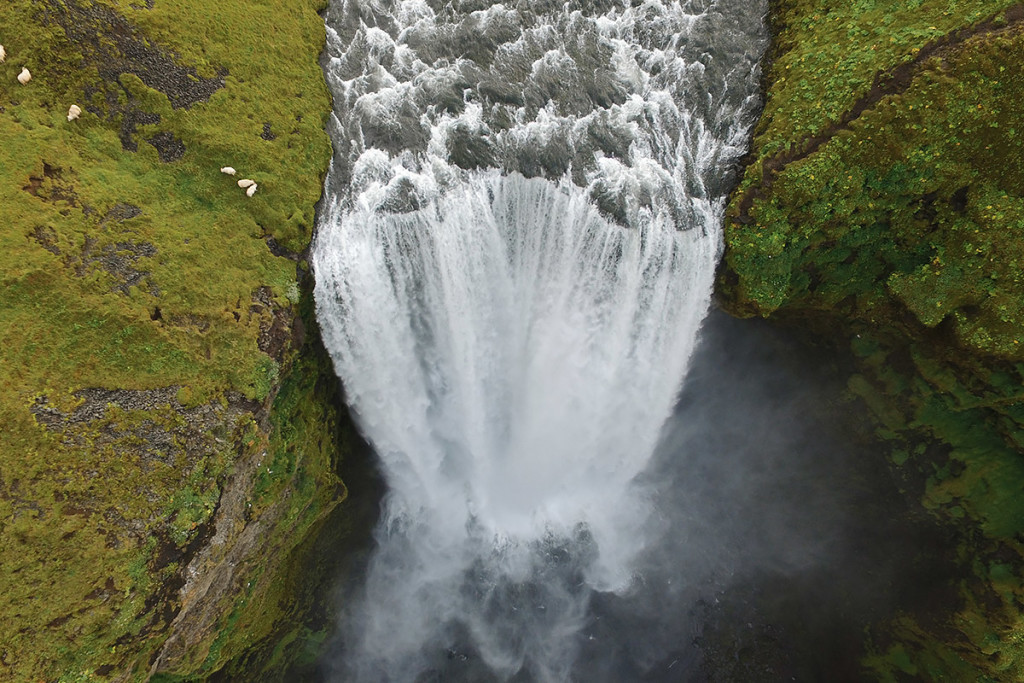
(518, 250)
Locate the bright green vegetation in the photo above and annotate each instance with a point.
(885, 199)
(146, 326)
(826, 56)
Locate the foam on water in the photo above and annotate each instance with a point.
(517, 251)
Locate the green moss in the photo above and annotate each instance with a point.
(885, 202)
(827, 55)
(128, 262)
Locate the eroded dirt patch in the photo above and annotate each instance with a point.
(117, 47)
(120, 260)
(169, 147)
(276, 325)
(52, 186)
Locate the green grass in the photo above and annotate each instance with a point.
(86, 510)
(826, 56)
(902, 230)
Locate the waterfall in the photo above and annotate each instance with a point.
(518, 248)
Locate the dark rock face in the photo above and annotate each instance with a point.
(167, 146)
(117, 47)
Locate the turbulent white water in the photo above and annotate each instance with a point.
(517, 252)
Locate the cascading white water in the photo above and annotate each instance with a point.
(511, 346)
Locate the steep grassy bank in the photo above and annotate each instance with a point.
(164, 446)
(884, 202)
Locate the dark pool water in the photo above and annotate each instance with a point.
(779, 540)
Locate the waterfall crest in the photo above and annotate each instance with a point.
(512, 267)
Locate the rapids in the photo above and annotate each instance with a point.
(517, 249)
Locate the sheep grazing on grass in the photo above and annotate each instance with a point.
(245, 182)
(74, 111)
(228, 170)
(252, 190)
(3, 54)
(24, 77)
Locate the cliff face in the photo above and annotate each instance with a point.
(884, 203)
(165, 442)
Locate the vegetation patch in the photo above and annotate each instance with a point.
(146, 324)
(884, 202)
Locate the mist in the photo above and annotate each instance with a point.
(775, 536)
(778, 535)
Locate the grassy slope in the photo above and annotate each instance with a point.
(893, 210)
(122, 271)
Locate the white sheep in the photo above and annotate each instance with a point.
(3, 54)
(252, 190)
(245, 182)
(25, 76)
(74, 111)
(228, 170)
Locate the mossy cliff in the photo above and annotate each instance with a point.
(883, 201)
(166, 444)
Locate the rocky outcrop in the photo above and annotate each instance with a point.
(883, 206)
